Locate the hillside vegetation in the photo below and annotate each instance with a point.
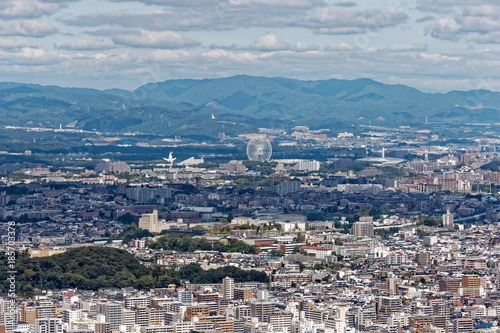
(96, 267)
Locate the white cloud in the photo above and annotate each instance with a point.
(30, 56)
(492, 37)
(267, 42)
(271, 43)
(7, 43)
(447, 6)
(208, 4)
(86, 45)
(340, 47)
(305, 47)
(332, 20)
(445, 28)
(167, 55)
(270, 14)
(154, 39)
(16, 9)
(439, 57)
(148, 40)
(224, 55)
(406, 47)
(28, 28)
(462, 18)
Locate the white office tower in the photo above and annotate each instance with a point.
(448, 221)
(48, 325)
(228, 288)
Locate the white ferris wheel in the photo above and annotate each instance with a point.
(259, 149)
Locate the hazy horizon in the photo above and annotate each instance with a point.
(434, 46)
(429, 91)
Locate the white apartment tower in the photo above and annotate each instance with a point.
(113, 313)
(228, 288)
(448, 220)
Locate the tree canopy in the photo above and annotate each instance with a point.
(96, 267)
(185, 243)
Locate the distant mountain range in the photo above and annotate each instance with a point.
(240, 104)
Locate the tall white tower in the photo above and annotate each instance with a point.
(228, 288)
(448, 220)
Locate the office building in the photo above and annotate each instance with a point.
(151, 223)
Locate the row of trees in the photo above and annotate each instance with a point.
(185, 243)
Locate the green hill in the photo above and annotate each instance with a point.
(96, 267)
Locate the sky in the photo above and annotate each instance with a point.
(432, 45)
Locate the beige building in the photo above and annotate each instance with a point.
(362, 229)
(151, 223)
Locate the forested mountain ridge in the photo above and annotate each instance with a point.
(239, 104)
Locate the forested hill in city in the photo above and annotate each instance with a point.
(240, 104)
(98, 267)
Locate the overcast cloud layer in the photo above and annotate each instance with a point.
(433, 45)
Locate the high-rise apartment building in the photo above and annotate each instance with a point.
(228, 288)
(362, 229)
(448, 220)
(113, 313)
